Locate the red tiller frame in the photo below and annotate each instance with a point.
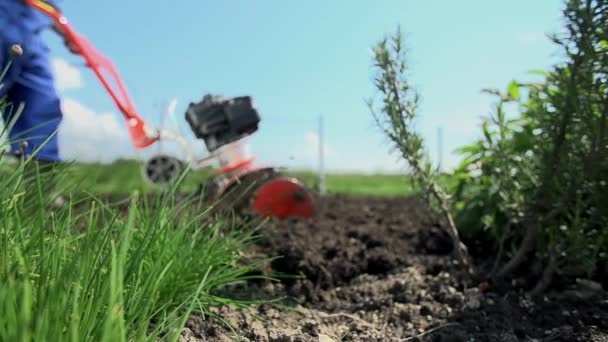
(141, 134)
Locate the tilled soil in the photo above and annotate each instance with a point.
(375, 269)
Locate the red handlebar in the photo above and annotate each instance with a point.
(141, 134)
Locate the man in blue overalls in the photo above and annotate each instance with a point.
(30, 81)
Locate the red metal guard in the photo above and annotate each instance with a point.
(282, 198)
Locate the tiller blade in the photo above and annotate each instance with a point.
(267, 193)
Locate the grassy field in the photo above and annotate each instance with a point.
(358, 184)
(125, 176)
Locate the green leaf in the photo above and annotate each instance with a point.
(501, 118)
(487, 220)
(513, 90)
(486, 132)
(469, 149)
(538, 72)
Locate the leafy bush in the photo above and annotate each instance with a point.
(541, 184)
(497, 175)
(534, 186)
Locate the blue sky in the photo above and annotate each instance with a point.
(302, 59)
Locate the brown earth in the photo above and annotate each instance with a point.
(376, 269)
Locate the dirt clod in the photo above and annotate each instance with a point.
(311, 327)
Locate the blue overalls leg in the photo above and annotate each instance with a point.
(30, 82)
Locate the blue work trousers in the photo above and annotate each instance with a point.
(28, 82)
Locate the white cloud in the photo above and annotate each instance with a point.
(66, 75)
(87, 135)
(83, 122)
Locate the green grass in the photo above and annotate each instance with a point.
(89, 272)
(385, 185)
(121, 177)
(125, 176)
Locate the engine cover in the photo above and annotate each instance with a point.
(219, 121)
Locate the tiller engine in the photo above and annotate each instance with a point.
(224, 124)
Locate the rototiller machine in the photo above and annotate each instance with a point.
(222, 123)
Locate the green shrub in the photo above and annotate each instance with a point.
(541, 186)
(492, 184)
(534, 187)
(396, 116)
